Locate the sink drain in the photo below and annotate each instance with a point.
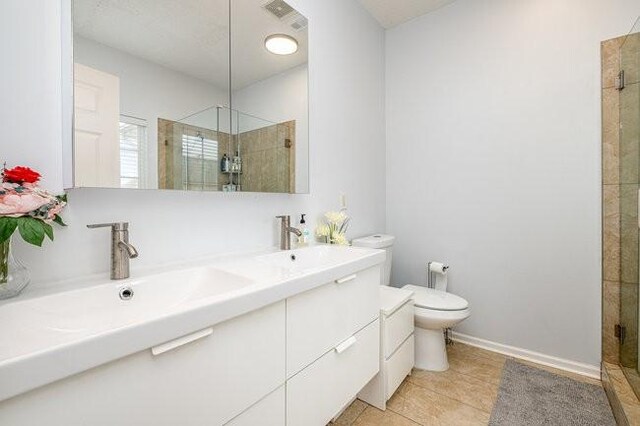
(126, 293)
(293, 257)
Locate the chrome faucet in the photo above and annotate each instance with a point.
(121, 250)
(285, 232)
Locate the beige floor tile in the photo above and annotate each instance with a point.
(352, 412)
(479, 367)
(461, 348)
(463, 395)
(429, 408)
(374, 417)
(461, 387)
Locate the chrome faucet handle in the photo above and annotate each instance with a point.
(121, 249)
(116, 226)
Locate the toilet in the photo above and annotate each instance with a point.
(435, 310)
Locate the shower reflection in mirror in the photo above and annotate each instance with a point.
(152, 108)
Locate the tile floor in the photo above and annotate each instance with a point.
(463, 395)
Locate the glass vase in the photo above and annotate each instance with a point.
(14, 276)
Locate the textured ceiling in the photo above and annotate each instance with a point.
(393, 12)
(191, 36)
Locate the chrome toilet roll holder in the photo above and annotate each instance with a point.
(431, 279)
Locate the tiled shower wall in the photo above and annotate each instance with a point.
(620, 179)
(268, 158)
(611, 200)
(170, 174)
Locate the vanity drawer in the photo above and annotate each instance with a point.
(399, 366)
(319, 319)
(269, 411)
(398, 326)
(208, 381)
(318, 392)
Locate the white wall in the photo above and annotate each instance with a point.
(346, 90)
(30, 83)
(150, 91)
(493, 144)
(280, 98)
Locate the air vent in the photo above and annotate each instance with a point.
(279, 8)
(300, 23)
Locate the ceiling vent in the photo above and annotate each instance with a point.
(300, 23)
(279, 8)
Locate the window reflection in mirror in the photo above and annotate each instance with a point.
(159, 104)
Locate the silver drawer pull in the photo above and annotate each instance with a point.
(180, 341)
(345, 345)
(345, 279)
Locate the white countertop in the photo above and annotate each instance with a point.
(55, 331)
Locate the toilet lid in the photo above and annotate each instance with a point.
(437, 300)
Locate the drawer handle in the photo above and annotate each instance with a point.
(346, 279)
(345, 345)
(181, 341)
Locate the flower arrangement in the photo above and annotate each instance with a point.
(26, 207)
(32, 211)
(333, 228)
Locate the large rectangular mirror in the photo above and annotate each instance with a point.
(197, 95)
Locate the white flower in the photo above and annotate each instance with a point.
(335, 217)
(322, 230)
(340, 239)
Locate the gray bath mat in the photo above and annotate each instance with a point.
(530, 396)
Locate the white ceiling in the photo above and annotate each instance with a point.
(394, 12)
(191, 36)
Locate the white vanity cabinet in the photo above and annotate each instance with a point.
(332, 346)
(269, 411)
(320, 319)
(205, 382)
(297, 361)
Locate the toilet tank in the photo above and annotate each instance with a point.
(383, 242)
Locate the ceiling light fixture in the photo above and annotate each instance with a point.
(281, 44)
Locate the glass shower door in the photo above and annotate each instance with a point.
(629, 101)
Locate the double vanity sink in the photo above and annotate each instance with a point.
(286, 336)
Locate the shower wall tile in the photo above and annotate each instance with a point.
(610, 61)
(630, 133)
(611, 233)
(266, 160)
(630, 58)
(164, 136)
(629, 233)
(617, 167)
(610, 136)
(610, 317)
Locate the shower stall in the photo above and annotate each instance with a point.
(220, 149)
(628, 88)
(621, 222)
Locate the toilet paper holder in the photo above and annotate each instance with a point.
(438, 268)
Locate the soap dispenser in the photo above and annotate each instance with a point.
(303, 239)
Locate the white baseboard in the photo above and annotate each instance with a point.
(588, 370)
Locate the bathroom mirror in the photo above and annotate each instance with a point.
(190, 95)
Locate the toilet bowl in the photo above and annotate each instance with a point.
(435, 310)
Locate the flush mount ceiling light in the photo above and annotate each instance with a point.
(281, 44)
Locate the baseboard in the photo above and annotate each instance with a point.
(587, 370)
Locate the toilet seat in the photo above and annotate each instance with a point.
(436, 300)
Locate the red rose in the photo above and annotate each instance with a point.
(20, 175)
